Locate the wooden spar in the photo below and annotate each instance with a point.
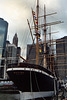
(54, 40)
(47, 14)
(58, 43)
(37, 44)
(48, 24)
(30, 31)
(45, 62)
(50, 46)
(61, 65)
(22, 57)
(58, 55)
(37, 35)
(61, 69)
(53, 57)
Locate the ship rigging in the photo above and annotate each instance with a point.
(34, 78)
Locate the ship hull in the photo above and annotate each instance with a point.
(31, 79)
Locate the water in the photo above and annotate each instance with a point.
(9, 97)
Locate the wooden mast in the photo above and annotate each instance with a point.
(50, 47)
(30, 31)
(37, 44)
(45, 63)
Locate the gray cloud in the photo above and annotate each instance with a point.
(16, 12)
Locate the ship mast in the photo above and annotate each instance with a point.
(45, 62)
(37, 35)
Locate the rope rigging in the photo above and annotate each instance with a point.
(38, 85)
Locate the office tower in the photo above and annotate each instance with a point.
(31, 54)
(15, 40)
(11, 52)
(18, 53)
(61, 59)
(3, 36)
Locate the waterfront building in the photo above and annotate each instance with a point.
(61, 59)
(3, 36)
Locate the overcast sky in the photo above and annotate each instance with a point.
(16, 12)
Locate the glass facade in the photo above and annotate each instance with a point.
(11, 53)
(3, 36)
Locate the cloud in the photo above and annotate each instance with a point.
(16, 12)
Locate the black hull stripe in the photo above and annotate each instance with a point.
(29, 69)
(27, 65)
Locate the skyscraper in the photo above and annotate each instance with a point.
(3, 36)
(61, 60)
(31, 54)
(11, 52)
(15, 40)
(18, 53)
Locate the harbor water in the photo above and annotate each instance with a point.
(9, 96)
(18, 97)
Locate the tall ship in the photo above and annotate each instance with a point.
(34, 80)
